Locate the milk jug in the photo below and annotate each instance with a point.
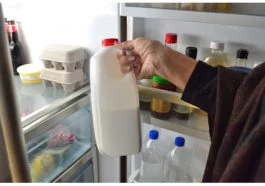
(115, 103)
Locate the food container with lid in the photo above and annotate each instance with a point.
(30, 73)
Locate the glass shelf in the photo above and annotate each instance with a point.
(256, 9)
(36, 100)
(239, 14)
(46, 160)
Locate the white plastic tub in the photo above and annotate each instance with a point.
(30, 73)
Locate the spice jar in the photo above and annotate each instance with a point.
(159, 108)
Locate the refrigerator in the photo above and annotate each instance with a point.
(38, 110)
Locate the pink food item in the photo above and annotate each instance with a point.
(60, 136)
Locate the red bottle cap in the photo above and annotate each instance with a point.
(171, 38)
(109, 41)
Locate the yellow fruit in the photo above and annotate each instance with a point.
(42, 165)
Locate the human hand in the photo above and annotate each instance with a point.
(148, 57)
(143, 56)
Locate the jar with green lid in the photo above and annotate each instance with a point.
(159, 108)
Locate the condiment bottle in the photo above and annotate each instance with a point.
(241, 58)
(216, 56)
(181, 111)
(159, 108)
(171, 40)
(145, 100)
(15, 47)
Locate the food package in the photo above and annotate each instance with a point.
(60, 136)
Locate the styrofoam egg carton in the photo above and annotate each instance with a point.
(63, 57)
(69, 81)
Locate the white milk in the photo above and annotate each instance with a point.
(115, 105)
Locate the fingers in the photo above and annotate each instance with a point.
(126, 61)
(126, 45)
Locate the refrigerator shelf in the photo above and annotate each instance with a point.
(196, 126)
(36, 100)
(251, 17)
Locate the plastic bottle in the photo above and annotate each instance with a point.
(115, 104)
(152, 160)
(241, 61)
(241, 58)
(176, 169)
(171, 40)
(145, 100)
(181, 111)
(216, 56)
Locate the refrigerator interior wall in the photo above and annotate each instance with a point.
(74, 22)
(200, 35)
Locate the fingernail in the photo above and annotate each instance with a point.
(131, 58)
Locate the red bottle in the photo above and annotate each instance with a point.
(15, 47)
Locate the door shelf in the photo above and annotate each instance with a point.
(193, 16)
(196, 126)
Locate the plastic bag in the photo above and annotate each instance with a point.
(60, 136)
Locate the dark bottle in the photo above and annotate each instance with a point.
(14, 45)
(181, 111)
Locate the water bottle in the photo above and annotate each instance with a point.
(176, 169)
(152, 161)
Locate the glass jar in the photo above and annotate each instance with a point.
(159, 108)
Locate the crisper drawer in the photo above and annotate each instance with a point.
(68, 138)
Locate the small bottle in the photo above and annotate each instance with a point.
(171, 40)
(176, 163)
(241, 58)
(152, 160)
(216, 56)
(15, 47)
(159, 108)
(241, 61)
(145, 100)
(181, 111)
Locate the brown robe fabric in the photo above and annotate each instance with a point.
(237, 152)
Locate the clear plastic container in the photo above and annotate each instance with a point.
(176, 169)
(152, 160)
(216, 56)
(115, 104)
(63, 57)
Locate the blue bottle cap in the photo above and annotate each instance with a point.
(153, 134)
(179, 141)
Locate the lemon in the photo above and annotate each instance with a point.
(42, 165)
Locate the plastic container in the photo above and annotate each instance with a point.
(30, 73)
(115, 104)
(145, 101)
(63, 57)
(216, 56)
(69, 81)
(159, 108)
(152, 160)
(176, 169)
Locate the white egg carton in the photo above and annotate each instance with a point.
(69, 81)
(63, 57)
